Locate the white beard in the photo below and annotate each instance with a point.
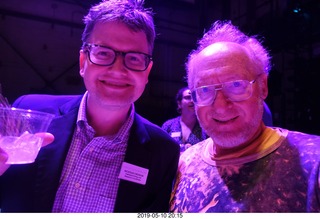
(233, 139)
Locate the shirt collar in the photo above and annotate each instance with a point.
(82, 118)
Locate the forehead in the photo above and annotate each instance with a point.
(186, 92)
(223, 61)
(119, 36)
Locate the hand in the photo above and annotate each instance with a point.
(188, 145)
(47, 139)
(3, 160)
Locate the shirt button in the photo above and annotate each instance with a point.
(77, 185)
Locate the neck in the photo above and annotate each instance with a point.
(189, 119)
(247, 147)
(106, 121)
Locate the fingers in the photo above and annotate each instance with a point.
(47, 137)
(3, 159)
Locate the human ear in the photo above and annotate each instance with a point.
(82, 59)
(264, 86)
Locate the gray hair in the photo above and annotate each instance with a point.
(224, 31)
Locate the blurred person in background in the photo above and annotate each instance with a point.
(185, 129)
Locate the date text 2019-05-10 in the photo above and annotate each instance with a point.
(159, 215)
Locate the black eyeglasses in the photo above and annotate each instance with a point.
(105, 56)
(234, 90)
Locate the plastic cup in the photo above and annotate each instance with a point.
(17, 133)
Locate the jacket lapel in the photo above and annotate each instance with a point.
(138, 154)
(51, 158)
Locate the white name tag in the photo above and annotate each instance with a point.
(133, 173)
(175, 134)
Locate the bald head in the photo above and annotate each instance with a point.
(218, 56)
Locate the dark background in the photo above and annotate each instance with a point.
(40, 41)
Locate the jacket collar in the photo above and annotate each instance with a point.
(51, 158)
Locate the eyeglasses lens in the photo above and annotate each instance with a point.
(234, 90)
(104, 56)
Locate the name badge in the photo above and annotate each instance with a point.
(133, 173)
(175, 134)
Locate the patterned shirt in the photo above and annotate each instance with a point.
(173, 127)
(89, 180)
(284, 177)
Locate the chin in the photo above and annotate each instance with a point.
(116, 104)
(237, 137)
(230, 140)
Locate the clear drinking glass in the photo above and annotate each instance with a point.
(17, 133)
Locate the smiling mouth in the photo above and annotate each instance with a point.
(224, 121)
(115, 84)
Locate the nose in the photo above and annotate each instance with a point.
(119, 63)
(221, 102)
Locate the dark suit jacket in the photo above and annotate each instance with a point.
(32, 187)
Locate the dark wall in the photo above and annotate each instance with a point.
(40, 41)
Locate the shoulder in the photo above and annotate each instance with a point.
(153, 132)
(155, 140)
(194, 155)
(152, 129)
(171, 122)
(300, 138)
(307, 145)
(46, 102)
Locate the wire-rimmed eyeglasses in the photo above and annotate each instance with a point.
(105, 56)
(238, 90)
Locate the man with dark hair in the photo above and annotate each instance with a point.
(185, 129)
(105, 157)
